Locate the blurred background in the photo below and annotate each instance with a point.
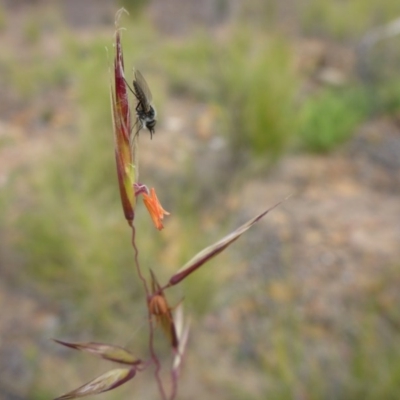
(256, 100)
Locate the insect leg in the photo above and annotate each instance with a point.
(133, 136)
(134, 93)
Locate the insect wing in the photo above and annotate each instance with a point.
(145, 96)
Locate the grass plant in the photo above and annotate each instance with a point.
(329, 118)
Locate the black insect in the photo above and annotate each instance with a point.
(145, 112)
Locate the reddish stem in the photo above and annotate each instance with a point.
(153, 354)
(174, 379)
(155, 359)
(139, 271)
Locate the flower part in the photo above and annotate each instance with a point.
(211, 251)
(106, 351)
(108, 381)
(154, 208)
(182, 331)
(159, 307)
(125, 144)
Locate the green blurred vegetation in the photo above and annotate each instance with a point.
(71, 209)
(250, 78)
(331, 117)
(134, 7)
(344, 20)
(64, 219)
